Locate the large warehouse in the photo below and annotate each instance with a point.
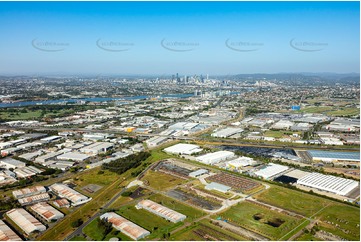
(47, 212)
(334, 184)
(64, 191)
(25, 220)
(161, 211)
(29, 191)
(75, 156)
(215, 157)
(227, 132)
(6, 234)
(331, 156)
(34, 199)
(271, 170)
(97, 148)
(125, 226)
(241, 162)
(183, 149)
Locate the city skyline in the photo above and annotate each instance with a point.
(155, 38)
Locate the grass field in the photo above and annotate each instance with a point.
(161, 181)
(315, 109)
(292, 200)
(309, 205)
(346, 217)
(279, 134)
(188, 233)
(149, 221)
(78, 238)
(190, 212)
(120, 202)
(344, 112)
(244, 214)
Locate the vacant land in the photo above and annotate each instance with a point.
(160, 181)
(292, 200)
(279, 134)
(344, 112)
(78, 238)
(205, 231)
(341, 220)
(261, 220)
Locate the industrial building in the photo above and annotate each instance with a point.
(11, 163)
(161, 211)
(215, 157)
(29, 191)
(125, 226)
(27, 171)
(183, 149)
(75, 156)
(61, 203)
(97, 148)
(25, 221)
(337, 185)
(282, 124)
(240, 162)
(332, 156)
(73, 196)
(34, 199)
(47, 212)
(155, 141)
(51, 139)
(227, 132)
(47, 157)
(198, 173)
(270, 170)
(218, 187)
(6, 233)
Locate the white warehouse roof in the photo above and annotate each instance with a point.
(125, 226)
(46, 211)
(6, 234)
(241, 162)
(224, 133)
(161, 211)
(73, 156)
(25, 220)
(183, 149)
(212, 158)
(270, 170)
(334, 184)
(28, 191)
(66, 192)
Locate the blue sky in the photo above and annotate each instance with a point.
(178, 37)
